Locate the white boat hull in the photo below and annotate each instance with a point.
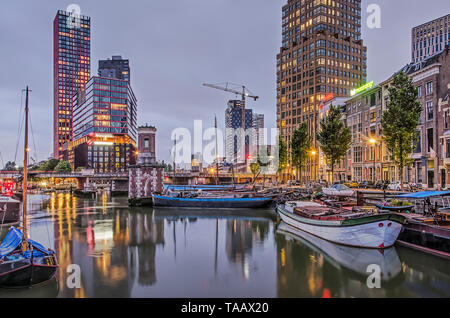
(353, 258)
(369, 235)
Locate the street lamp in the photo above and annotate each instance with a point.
(373, 142)
(313, 154)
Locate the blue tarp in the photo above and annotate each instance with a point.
(11, 242)
(424, 194)
(14, 238)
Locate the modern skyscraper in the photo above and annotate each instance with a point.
(430, 38)
(115, 68)
(238, 124)
(104, 126)
(72, 67)
(321, 54)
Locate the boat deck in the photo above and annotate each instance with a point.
(417, 217)
(331, 214)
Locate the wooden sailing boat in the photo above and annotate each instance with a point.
(24, 262)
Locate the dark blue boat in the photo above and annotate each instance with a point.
(213, 202)
(395, 208)
(203, 187)
(20, 269)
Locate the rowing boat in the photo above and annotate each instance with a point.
(358, 227)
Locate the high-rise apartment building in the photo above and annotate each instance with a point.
(321, 54)
(104, 126)
(430, 38)
(114, 68)
(72, 66)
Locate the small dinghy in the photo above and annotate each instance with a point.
(338, 190)
(357, 227)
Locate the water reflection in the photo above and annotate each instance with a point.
(144, 252)
(47, 290)
(312, 267)
(126, 252)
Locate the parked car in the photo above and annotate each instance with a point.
(414, 187)
(395, 186)
(352, 184)
(382, 184)
(367, 185)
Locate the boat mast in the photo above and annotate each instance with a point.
(217, 153)
(175, 160)
(25, 175)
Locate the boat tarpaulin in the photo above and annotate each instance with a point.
(14, 238)
(424, 194)
(11, 242)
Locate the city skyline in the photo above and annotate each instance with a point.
(194, 55)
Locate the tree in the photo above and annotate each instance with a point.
(10, 166)
(282, 154)
(334, 137)
(63, 166)
(264, 161)
(400, 120)
(49, 165)
(255, 168)
(300, 144)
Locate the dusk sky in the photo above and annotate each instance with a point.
(174, 47)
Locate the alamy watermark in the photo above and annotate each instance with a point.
(234, 146)
(374, 19)
(74, 276)
(374, 279)
(73, 20)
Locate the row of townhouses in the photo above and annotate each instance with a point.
(368, 158)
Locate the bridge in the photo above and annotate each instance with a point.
(117, 181)
(69, 175)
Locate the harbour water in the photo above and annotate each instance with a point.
(149, 252)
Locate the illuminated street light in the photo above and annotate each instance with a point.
(373, 142)
(313, 154)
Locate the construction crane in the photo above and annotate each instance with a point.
(244, 93)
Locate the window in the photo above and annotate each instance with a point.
(430, 139)
(446, 122)
(448, 149)
(429, 88)
(357, 155)
(147, 143)
(419, 91)
(430, 113)
(372, 100)
(418, 143)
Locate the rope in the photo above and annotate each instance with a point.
(19, 131)
(32, 136)
(1, 158)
